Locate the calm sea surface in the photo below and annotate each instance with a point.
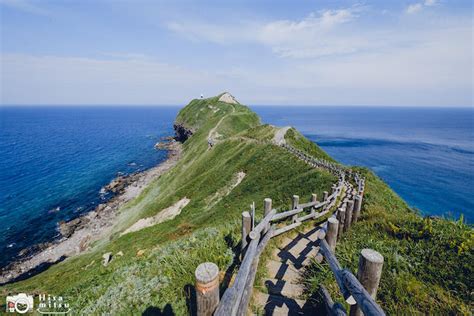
(54, 160)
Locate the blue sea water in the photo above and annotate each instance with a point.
(54, 161)
(425, 154)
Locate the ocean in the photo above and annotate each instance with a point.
(55, 160)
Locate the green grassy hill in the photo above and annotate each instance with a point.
(428, 262)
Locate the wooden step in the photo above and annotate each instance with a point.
(285, 242)
(302, 246)
(299, 257)
(284, 288)
(279, 305)
(281, 270)
(313, 234)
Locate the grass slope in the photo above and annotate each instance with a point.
(428, 262)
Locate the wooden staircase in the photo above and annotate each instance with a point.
(284, 270)
(284, 286)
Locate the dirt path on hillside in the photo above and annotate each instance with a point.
(213, 135)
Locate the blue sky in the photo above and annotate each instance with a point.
(394, 53)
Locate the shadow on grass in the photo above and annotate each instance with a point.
(190, 293)
(190, 290)
(36, 270)
(230, 270)
(155, 311)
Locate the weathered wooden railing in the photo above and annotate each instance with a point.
(358, 292)
(236, 299)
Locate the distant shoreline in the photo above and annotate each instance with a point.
(79, 233)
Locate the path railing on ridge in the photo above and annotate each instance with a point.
(344, 203)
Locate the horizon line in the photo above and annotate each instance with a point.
(250, 105)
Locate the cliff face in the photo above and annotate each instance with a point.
(182, 133)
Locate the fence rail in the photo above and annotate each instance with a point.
(359, 294)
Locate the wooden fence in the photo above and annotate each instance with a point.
(358, 292)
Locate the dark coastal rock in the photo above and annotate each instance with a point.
(161, 145)
(101, 207)
(167, 144)
(33, 249)
(119, 184)
(116, 184)
(182, 133)
(167, 138)
(67, 228)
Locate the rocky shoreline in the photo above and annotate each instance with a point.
(79, 233)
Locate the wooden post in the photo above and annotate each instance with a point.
(248, 288)
(357, 207)
(246, 229)
(252, 207)
(294, 205)
(314, 198)
(348, 220)
(232, 297)
(267, 207)
(341, 216)
(331, 234)
(207, 288)
(368, 274)
(325, 195)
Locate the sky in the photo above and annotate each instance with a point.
(294, 52)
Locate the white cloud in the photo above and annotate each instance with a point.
(417, 7)
(414, 8)
(312, 36)
(203, 31)
(25, 5)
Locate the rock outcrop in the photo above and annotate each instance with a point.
(182, 133)
(228, 98)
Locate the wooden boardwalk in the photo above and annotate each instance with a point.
(284, 270)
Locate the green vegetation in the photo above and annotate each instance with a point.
(428, 262)
(428, 266)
